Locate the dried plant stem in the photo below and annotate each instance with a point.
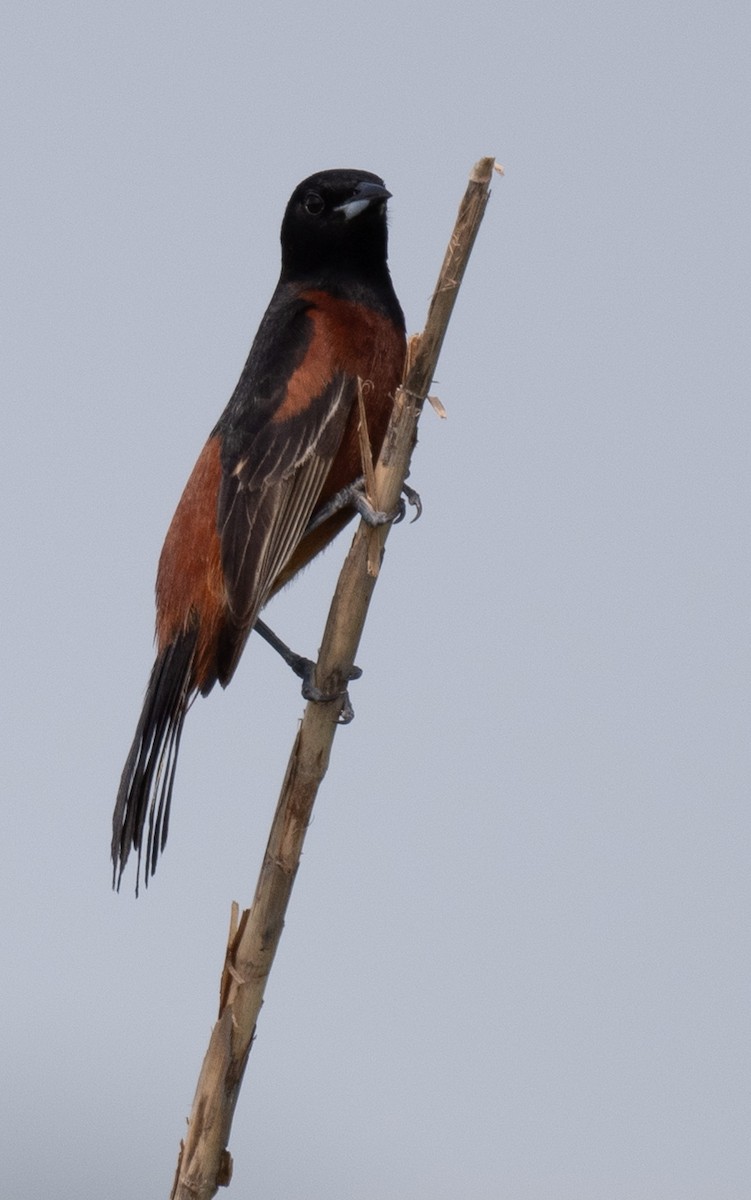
(204, 1163)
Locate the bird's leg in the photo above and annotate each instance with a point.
(305, 668)
(353, 496)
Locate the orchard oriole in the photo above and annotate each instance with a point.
(261, 500)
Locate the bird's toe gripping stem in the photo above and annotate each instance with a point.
(354, 496)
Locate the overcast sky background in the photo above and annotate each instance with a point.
(516, 962)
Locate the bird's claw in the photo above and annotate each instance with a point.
(413, 498)
(408, 496)
(347, 712)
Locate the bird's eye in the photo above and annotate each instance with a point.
(313, 204)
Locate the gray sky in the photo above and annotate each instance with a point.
(516, 959)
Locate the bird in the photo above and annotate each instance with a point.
(277, 479)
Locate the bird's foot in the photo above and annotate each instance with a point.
(312, 692)
(305, 669)
(353, 496)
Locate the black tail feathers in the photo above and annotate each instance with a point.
(149, 772)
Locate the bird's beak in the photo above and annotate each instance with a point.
(364, 194)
